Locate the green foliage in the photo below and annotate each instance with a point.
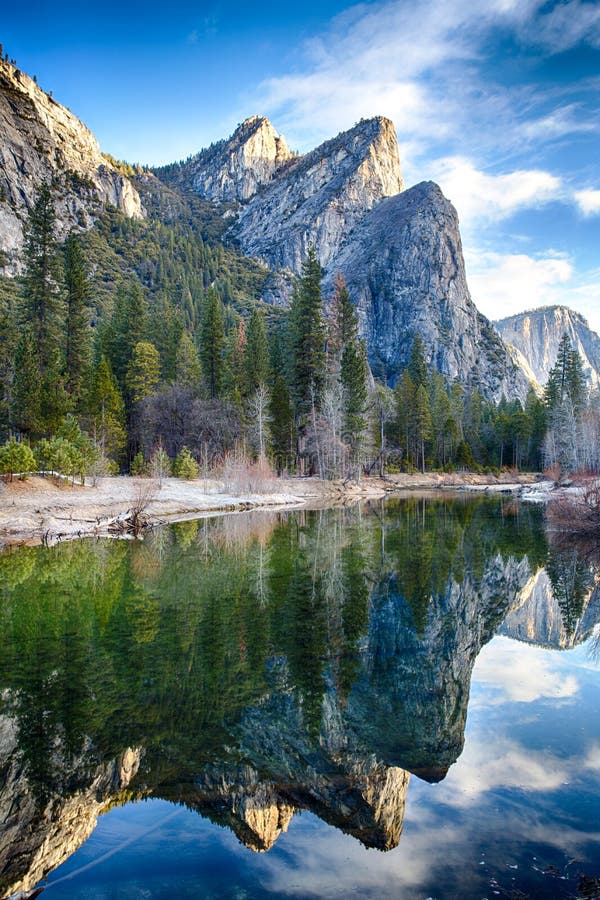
(212, 337)
(106, 412)
(143, 371)
(138, 466)
(78, 297)
(185, 466)
(16, 458)
(307, 338)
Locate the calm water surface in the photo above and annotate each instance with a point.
(395, 700)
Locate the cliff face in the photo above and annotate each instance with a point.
(399, 250)
(320, 197)
(537, 334)
(37, 835)
(235, 168)
(40, 140)
(405, 272)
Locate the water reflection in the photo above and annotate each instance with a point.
(252, 666)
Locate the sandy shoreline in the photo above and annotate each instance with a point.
(38, 509)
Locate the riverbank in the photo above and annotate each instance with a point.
(39, 509)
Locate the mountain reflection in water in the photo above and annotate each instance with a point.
(255, 665)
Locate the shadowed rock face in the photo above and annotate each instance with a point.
(40, 140)
(536, 335)
(405, 272)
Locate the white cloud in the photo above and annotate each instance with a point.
(504, 284)
(588, 202)
(479, 195)
(510, 765)
(521, 674)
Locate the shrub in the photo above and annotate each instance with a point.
(185, 466)
(16, 458)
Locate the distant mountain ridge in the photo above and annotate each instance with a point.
(536, 334)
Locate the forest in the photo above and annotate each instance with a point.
(143, 347)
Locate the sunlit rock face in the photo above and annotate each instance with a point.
(539, 619)
(235, 169)
(320, 197)
(39, 832)
(40, 140)
(536, 335)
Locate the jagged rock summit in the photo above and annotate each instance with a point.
(235, 168)
(536, 335)
(40, 140)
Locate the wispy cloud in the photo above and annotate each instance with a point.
(481, 195)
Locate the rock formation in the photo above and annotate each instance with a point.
(234, 169)
(536, 335)
(40, 140)
(320, 197)
(405, 272)
(37, 835)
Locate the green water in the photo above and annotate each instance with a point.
(298, 681)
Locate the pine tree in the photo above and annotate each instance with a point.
(143, 371)
(107, 412)
(212, 339)
(256, 355)
(27, 389)
(307, 339)
(127, 327)
(282, 424)
(405, 414)
(188, 371)
(353, 376)
(423, 424)
(417, 364)
(42, 299)
(78, 339)
(342, 325)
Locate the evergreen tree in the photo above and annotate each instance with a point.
(417, 364)
(423, 423)
(27, 389)
(212, 339)
(78, 339)
(107, 412)
(188, 371)
(42, 298)
(342, 325)
(405, 414)
(307, 339)
(353, 376)
(127, 328)
(282, 424)
(256, 356)
(143, 371)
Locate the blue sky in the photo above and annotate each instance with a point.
(498, 101)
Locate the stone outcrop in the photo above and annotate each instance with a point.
(405, 272)
(38, 834)
(234, 169)
(536, 335)
(319, 198)
(40, 140)
(536, 617)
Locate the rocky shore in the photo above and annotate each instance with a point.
(42, 510)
